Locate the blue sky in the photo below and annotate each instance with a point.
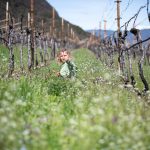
(89, 13)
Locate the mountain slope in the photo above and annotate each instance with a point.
(145, 33)
(43, 11)
(109, 32)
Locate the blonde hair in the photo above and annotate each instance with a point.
(59, 54)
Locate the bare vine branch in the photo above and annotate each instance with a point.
(142, 41)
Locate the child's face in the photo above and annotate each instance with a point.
(64, 56)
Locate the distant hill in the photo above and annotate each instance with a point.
(43, 11)
(109, 32)
(145, 33)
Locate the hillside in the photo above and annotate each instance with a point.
(109, 32)
(19, 8)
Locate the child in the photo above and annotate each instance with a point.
(68, 68)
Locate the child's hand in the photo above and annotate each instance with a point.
(58, 74)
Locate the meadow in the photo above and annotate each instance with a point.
(39, 111)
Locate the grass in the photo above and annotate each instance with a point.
(94, 112)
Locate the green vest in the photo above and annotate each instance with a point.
(68, 69)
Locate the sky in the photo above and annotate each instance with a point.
(90, 14)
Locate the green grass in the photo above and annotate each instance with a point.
(94, 112)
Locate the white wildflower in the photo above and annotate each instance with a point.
(72, 121)
(26, 132)
(107, 76)
(4, 119)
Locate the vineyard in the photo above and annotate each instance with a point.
(94, 112)
(106, 107)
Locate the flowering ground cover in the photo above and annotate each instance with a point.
(93, 112)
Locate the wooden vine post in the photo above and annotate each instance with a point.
(53, 52)
(68, 30)
(62, 33)
(21, 46)
(29, 43)
(105, 32)
(10, 31)
(40, 39)
(7, 16)
(62, 28)
(68, 34)
(11, 51)
(32, 32)
(53, 22)
(99, 32)
(118, 32)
